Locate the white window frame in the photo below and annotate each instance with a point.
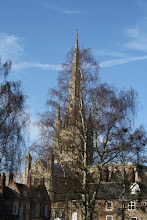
(73, 203)
(130, 205)
(109, 216)
(135, 188)
(15, 208)
(74, 215)
(109, 208)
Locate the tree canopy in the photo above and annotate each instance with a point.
(13, 120)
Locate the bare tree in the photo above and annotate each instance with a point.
(96, 120)
(13, 119)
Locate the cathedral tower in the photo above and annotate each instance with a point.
(75, 90)
(69, 146)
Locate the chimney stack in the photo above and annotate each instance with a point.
(10, 177)
(3, 182)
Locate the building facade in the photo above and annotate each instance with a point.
(23, 202)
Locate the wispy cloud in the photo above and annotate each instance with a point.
(115, 62)
(69, 12)
(10, 47)
(57, 67)
(26, 65)
(108, 53)
(137, 39)
(63, 10)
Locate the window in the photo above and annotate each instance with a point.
(27, 206)
(37, 210)
(74, 216)
(143, 204)
(109, 206)
(73, 203)
(109, 217)
(46, 211)
(38, 195)
(131, 206)
(15, 208)
(135, 189)
(25, 193)
(36, 181)
(133, 218)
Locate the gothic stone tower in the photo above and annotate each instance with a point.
(68, 141)
(40, 172)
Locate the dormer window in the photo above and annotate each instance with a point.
(135, 189)
(109, 206)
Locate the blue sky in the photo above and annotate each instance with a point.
(37, 34)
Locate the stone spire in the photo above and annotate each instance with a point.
(74, 98)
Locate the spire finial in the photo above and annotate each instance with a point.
(76, 43)
(76, 34)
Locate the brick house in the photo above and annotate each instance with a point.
(23, 202)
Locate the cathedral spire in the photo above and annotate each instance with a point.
(76, 43)
(74, 98)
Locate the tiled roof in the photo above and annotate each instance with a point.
(9, 193)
